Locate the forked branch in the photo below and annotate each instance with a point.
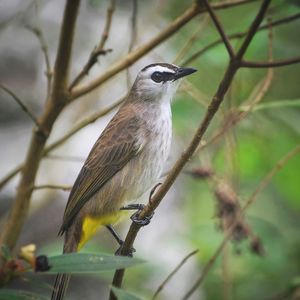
(187, 154)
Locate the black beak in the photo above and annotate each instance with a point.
(181, 72)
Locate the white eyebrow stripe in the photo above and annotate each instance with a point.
(160, 69)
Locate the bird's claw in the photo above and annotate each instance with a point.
(142, 222)
(129, 253)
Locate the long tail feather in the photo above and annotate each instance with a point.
(60, 286)
(62, 280)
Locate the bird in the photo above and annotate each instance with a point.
(126, 161)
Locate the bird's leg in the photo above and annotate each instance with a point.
(115, 234)
(119, 240)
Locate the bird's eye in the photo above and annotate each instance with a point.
(157, 77)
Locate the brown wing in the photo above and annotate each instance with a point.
(115, 147)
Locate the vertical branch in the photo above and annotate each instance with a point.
(99, 50)
(54, 105)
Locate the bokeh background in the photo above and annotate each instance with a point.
(188, 217)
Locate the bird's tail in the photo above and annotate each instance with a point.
(60, 286)
(62, 280)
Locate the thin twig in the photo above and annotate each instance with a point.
(85, 122)
(237, 116)
(253, 29)
(169, 277)
(53, 187)
(132, 57)
(263, 183)
(220, 29)
(238, 35)
(76, 159)
(39, 34)
(99, 50)
(274, 64)
(133, 36)
(21, 104)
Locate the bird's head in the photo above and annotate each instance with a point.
(160, 80)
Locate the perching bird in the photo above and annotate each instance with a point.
(125, 162)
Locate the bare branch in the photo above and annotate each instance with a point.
(21, 104)
(99, 50)
(54, 105)
(39, 34)
(264, 182)
(90, 119)
(76, 159)
(109, 15)
(253, 29)
(132, 57)
(274, 64)
(238, 35)
(53, 187)
(169, 277)
(133, 35)
(219, 28)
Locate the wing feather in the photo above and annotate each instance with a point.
(107, 157)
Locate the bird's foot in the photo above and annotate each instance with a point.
(142, 222)
(135, 217)
(119, 252)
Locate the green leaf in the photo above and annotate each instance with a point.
(89, 263)
(124, 295)
(6, 294)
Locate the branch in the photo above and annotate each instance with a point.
(169, 277)
(132, 57)
(241, 113)
(53, 187)
(99, 50)
(238, 35)
(219, 28)
(90, 119)
(39, 34)
(54, 105)
(273, 64)
(187, 154)
(76, 159)
(264, 182)
(21, 104)
(253, 29)
(133, 35)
